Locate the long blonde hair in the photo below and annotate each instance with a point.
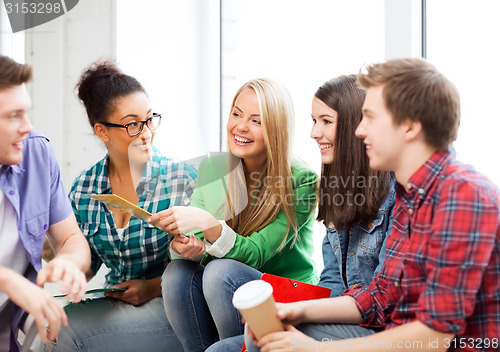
(272, 188)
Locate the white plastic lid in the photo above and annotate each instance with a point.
(252, 294)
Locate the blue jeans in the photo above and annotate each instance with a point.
(109, 325)
(319, 332)
(198, 301)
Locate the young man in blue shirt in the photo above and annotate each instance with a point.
(33, 203)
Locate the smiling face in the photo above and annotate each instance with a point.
(14, 125)
(244, 130)
(324, 129)
(383, 139)
(130, 108)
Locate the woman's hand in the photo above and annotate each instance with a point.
(189, 247)
(138, 291)
(179, 220)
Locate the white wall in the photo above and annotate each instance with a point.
(403, 28)
(58, 51)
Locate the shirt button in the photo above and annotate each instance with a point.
(45, 227)
(421, 191)
(352, 253)
(408, 185)
(11, 193)
(370, 225)
(396, 284)
(410, 211)
(331, 225)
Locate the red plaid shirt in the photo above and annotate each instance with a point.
(442, 265)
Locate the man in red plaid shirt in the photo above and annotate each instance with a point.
(439, 288)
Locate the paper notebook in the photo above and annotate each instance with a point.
(95, 290)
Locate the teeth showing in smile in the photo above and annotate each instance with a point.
(242, 139)
(143, 146)
(325, 146)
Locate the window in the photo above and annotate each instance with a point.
(302, 44)
(172, 48)
(462, 39)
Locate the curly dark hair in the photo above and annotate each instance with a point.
(99, 87)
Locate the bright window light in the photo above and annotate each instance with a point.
(462, 41)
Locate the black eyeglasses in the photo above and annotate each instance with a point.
(135, 128)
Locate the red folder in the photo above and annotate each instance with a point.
(288, 290)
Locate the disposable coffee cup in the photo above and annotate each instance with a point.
(255, 302)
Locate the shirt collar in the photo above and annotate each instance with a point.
(421, 181)
(15, 168)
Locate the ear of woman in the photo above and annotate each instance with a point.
(101, 132)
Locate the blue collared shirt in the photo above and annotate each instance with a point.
(35, 189)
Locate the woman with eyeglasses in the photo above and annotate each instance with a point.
(135, 252)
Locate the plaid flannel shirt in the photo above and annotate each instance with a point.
(442, 265)
(143, 252)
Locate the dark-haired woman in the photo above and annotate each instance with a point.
(135, 252)
(355, 202)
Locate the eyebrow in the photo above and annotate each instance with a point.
(8, 112)
(254, 115)
(133, 115)
(324, 115)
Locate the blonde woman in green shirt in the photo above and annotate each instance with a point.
(256, 219)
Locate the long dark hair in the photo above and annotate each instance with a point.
(349, 191)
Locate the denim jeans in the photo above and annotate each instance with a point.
(198, 301)
(110, 325)
(319, 332)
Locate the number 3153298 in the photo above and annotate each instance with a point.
(33, 7)
(476, 343)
